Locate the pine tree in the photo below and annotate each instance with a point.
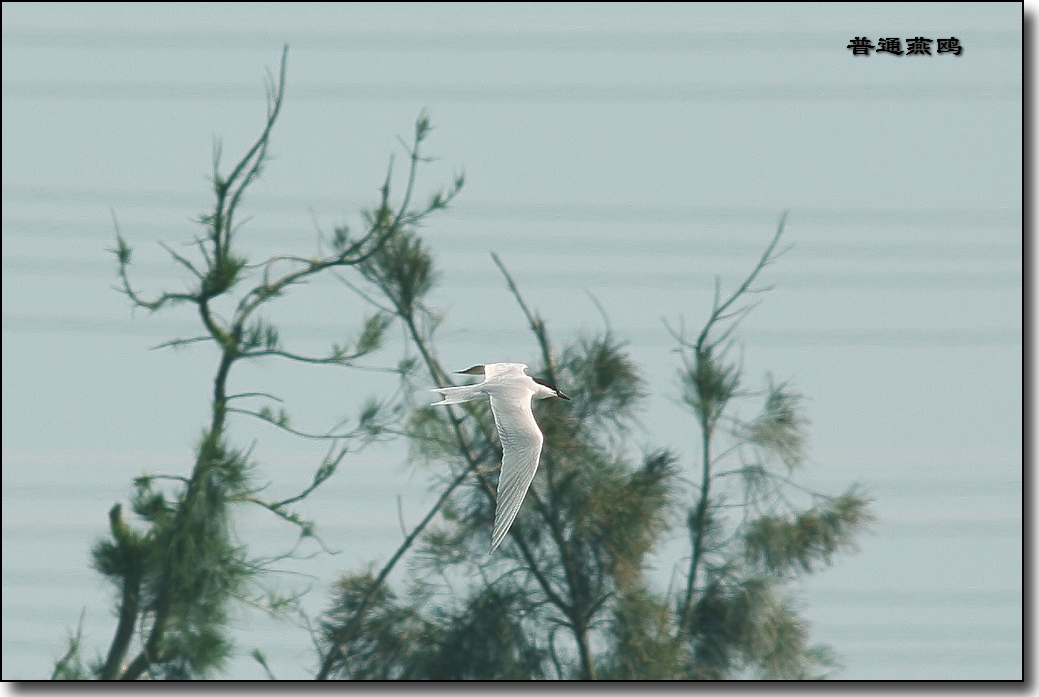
(749, 534)
(570, 594)
(177, 566)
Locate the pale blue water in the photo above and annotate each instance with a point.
(678, 137)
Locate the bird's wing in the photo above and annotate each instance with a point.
(499, 371)
(521, 441)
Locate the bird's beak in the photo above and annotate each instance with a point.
(475, 370)
(562, 396)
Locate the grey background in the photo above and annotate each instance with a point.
(634, 152)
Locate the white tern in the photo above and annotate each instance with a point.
(512, 393)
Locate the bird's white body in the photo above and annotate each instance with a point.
(512, 392)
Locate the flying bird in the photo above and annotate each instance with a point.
(512, 393)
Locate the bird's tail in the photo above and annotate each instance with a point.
(457, 395)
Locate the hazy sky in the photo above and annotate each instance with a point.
(631, 152)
